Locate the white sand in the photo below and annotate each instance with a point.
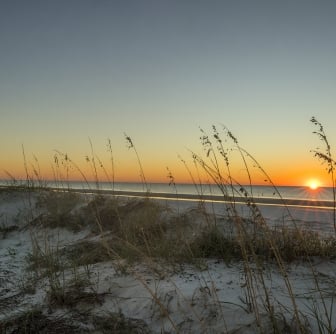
(212, 300)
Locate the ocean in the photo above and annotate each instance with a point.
(257, 191)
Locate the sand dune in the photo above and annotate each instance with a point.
(149, 296)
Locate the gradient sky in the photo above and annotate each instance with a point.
(77, 69)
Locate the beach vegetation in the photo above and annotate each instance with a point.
(131, 146)
(5, 230)
(58, 203)
(128, 232)
(85, 253)
(326, 157)
(44, 260)
(69, 292)
(57, 210)
(35, 321)
(67, 283)
(117, 323)
(261, 239)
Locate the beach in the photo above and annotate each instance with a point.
(312, 214)
(167, 167)
(147, 294)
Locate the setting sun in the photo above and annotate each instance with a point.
(313, 184)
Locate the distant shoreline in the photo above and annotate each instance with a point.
(211, 198)
(305, 203)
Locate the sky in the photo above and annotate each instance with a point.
(75, 73)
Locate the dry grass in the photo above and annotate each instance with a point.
(58, 210)
(5, 230)
(117, 323)
(44, 261)
(144, 231)
(141, 228)
(85, 252)
(34, 321)
(70, 293)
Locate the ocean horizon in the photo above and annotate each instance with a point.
(300, 193)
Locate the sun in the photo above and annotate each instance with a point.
(313, 184)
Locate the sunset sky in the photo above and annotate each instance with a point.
(158, 70)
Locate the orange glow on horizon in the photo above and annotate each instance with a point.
(308, 173)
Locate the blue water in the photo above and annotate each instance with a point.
(285, 192)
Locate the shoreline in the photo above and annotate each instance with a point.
(267, 201)
(320, 204)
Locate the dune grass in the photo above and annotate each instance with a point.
(36, 321)
(143, 231)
